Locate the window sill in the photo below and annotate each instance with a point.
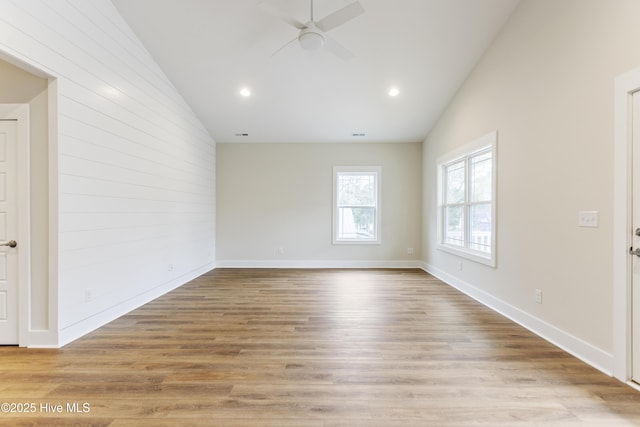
(356, 242)
(479, 257)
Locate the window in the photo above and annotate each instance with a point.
(356, 204)
(466, 201)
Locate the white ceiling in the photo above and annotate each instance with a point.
(211, 48)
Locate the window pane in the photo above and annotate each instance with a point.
(466, 197)
(454, 225)
(480, 239)
(481, 177)
(454, 184)
(356, 190)
(356, 223)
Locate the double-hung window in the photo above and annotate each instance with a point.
(356, 204)
(466, 195)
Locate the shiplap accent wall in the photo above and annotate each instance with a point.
(136, 168)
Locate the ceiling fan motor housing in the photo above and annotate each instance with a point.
(311, 37)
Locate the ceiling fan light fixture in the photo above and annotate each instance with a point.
(311, 38)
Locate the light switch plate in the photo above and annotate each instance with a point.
(588, 219)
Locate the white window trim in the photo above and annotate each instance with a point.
(489, 140)
(377, 170)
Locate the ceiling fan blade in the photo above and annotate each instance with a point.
(340, 16)
(282, 48)
(337, 49)
(272, 10)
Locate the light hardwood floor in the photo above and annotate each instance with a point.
(312, 348)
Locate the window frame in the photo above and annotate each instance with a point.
(485, 144)
(369, 170)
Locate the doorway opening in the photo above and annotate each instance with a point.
(28, 100)
(626, 263)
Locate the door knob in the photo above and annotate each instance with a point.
(13, 244)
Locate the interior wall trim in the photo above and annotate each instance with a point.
(318, 264)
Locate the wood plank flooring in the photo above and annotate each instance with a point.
(311, 348)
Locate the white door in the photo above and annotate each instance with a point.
(635, 290)
(8, 233)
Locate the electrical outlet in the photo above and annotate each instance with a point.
(409, 251)
(460, 265)
(88, 295)
(281, 250)
(170, 267)
(538, 296)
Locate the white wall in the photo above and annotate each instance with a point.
(546, 86)
(134, 169)
(274, 196)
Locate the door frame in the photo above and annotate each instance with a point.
(20, 113)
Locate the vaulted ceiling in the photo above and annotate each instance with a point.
(211, 49)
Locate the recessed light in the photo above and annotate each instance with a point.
(245, 91)
(394, 91)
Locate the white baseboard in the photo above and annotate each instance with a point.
(92, 323)
(41, 339)
(575, 346)
(317, 264)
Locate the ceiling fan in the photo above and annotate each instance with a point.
(312, 35)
